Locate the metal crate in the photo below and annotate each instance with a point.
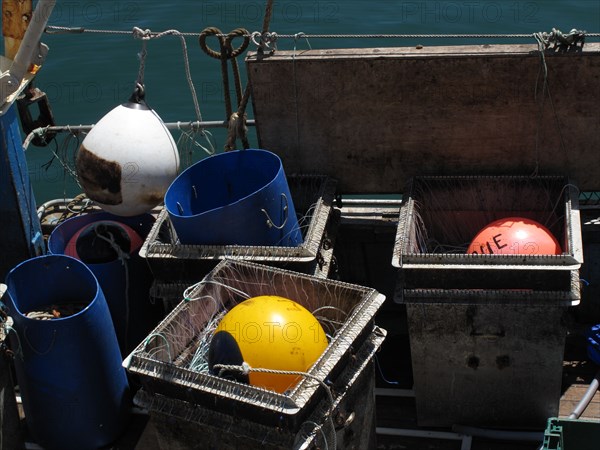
(439, 216)
(161, 361)
(179, 423)
(313, 197)
(471, 350)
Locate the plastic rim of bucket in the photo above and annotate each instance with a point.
(135, 241)
(234, 198)
(62, 235)
(70, 364)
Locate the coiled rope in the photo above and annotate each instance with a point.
(236, 120)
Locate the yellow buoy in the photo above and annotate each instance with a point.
(269, 332)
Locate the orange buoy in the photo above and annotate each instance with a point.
(268, 332)
(515, 236)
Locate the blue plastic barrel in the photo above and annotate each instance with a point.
(74, 390)
(125, 281)
(234, 198)
(593, 341)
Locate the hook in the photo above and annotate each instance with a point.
(270, 222)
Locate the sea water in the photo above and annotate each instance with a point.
(87, 74)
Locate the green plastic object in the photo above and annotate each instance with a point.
(572, 434)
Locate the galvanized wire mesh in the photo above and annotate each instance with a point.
(163, 360)
(313, 197)
(441, 215)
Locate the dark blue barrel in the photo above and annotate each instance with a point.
(234, 198)
(74, 389)
(124, 277)
(593, 341)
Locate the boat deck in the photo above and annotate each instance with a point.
(366, 238)
(396, 409)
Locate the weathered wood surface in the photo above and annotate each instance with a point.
(375, 117)
(16, 15)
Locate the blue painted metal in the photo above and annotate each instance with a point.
(21, 237)
(74, 389)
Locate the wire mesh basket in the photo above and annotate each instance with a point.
(167, 360)
(179, 422)
(313, 197)
(439, 217)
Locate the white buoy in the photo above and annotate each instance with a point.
(128, 160)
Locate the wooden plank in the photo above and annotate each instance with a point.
(373, 118)
(16, 15)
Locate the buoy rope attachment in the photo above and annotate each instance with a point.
(146, 35)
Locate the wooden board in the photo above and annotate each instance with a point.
(16, 15)
(375, 117)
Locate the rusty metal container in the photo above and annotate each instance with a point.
(487, 332)
(487, 358)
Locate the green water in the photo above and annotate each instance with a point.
(86, 75)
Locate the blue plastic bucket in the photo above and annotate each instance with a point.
(74, 390)
(234, 198)
(125, 281)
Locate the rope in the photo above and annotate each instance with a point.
(559, 39)
(227, 52)
(561, 42)
(6, 323)
(146, 35)
(61, 154)
(81, 30)
(4, 348)
(266, 38)
(77, 206)
(236, 121)
(245, 369)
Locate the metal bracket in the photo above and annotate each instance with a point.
(45, 118)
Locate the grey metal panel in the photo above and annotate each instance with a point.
(373, 118)
(486, 364)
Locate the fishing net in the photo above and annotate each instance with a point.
(441, 215)
(172, 360)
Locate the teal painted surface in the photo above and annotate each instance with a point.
(21, 236)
